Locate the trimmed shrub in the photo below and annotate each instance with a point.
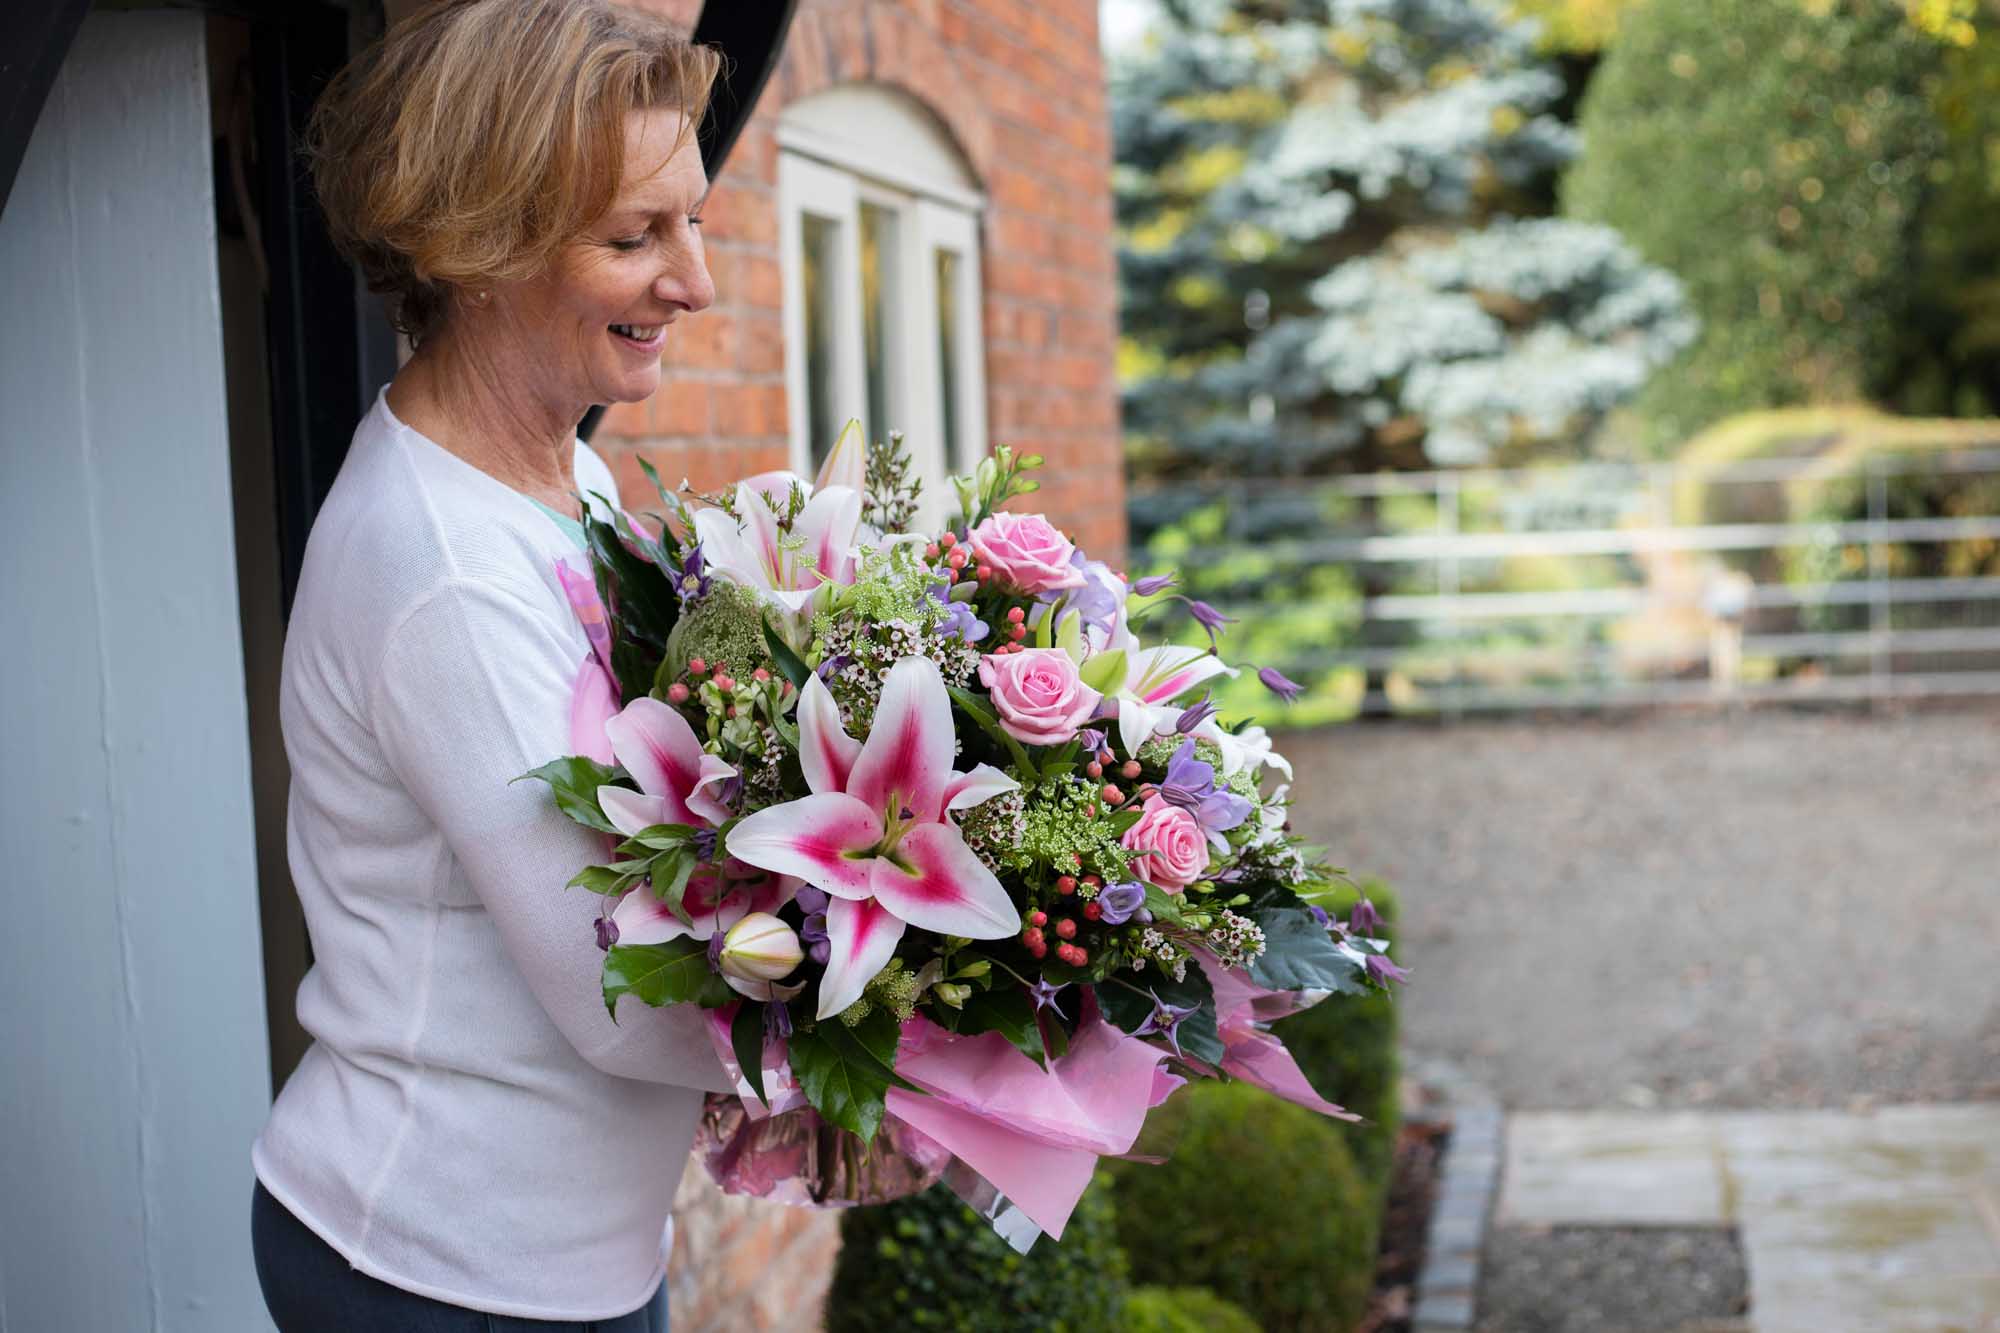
(1260, 1203)
(931, 1262)
(1184, 1310)
(1774, 156)
(1346, 1048)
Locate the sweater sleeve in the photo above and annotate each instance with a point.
(474, 690)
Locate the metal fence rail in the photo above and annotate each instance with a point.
(1694, 610)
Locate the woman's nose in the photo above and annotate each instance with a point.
(686, 282)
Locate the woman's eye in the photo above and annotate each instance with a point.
(694, 219)
(628, 243)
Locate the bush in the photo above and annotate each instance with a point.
(931, 1262)
(1260, 1203)
(1346, 1047)
(1184, 1310)
(1774, 156)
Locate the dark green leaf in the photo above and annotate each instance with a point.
(660, 837)
(845, 1084)
(746, 1040)
(671, 872)
(1163, 905)
(601, 879)
(1122, 822)
(575, 780)
(1128, 1009)
(676, 972)
(1009, 1011)
(990, 724)
(635, 590)
(790, 665)
(1300, 955)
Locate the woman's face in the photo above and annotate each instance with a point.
(601, 311)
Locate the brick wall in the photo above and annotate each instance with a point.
(1021, 88)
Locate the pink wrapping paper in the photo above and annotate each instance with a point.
(1035, 1135)
(595, 699)
(1249, 1052)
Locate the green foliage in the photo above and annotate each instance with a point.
(1260, 1203)
(1184, 1310)
(1951, 347)
(846, 1070)
(930, 1262)
(1774, 155)
(676, 972)
(1346, 1047)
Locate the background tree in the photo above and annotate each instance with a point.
(1847, 151)
(1331, 262)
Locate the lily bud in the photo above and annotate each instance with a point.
(760, 948)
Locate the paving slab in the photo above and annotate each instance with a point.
(1613, 1168)
(1879, 1222)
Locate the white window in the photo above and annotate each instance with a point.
(879, 239)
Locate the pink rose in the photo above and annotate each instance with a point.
(1041, 699)
(1026, 552)
(1172, 849)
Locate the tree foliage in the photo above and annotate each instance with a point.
(1785, 158)
(1321, 261)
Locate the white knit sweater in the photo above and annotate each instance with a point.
(469, 1124)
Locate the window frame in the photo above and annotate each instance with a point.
(822, 176)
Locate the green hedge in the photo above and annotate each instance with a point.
(1260, 1203)
(1346, 1048)
(931, 1262)
(1776, 159)
(1184, 1310)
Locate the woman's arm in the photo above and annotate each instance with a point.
(474, 691)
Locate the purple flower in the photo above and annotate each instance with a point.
(1319, 916)
(1363, 919)
(691, 580)
(777, 1021)
(704, 844)
(1153, 584)
(1118, 902)
(1044, 994)
(1190, 784)
(960, 618)
(715, 951)
(1200, 711)
(811, 900)
(1092, 738)
(1381, 970)
(1276, 682)
(812, 932)
(607, 933)
(1209, 619)
(1165, 1021)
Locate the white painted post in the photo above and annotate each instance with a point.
(1880, 665)
(132, 1034)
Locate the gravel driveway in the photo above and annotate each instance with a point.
(1761, 908)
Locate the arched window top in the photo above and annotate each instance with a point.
(881, 132)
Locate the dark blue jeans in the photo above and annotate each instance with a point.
(310, 1289)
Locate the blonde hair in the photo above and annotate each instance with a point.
(480, 136)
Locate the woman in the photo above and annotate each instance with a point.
(470, 1134)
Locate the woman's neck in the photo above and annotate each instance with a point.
(485, 408)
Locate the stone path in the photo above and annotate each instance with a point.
(1885, 1222)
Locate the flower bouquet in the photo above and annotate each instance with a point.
(967, 877)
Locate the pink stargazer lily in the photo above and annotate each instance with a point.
(875, 836)
(786, 567)
(1154, 678)
(676, 776)
(717, 898)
